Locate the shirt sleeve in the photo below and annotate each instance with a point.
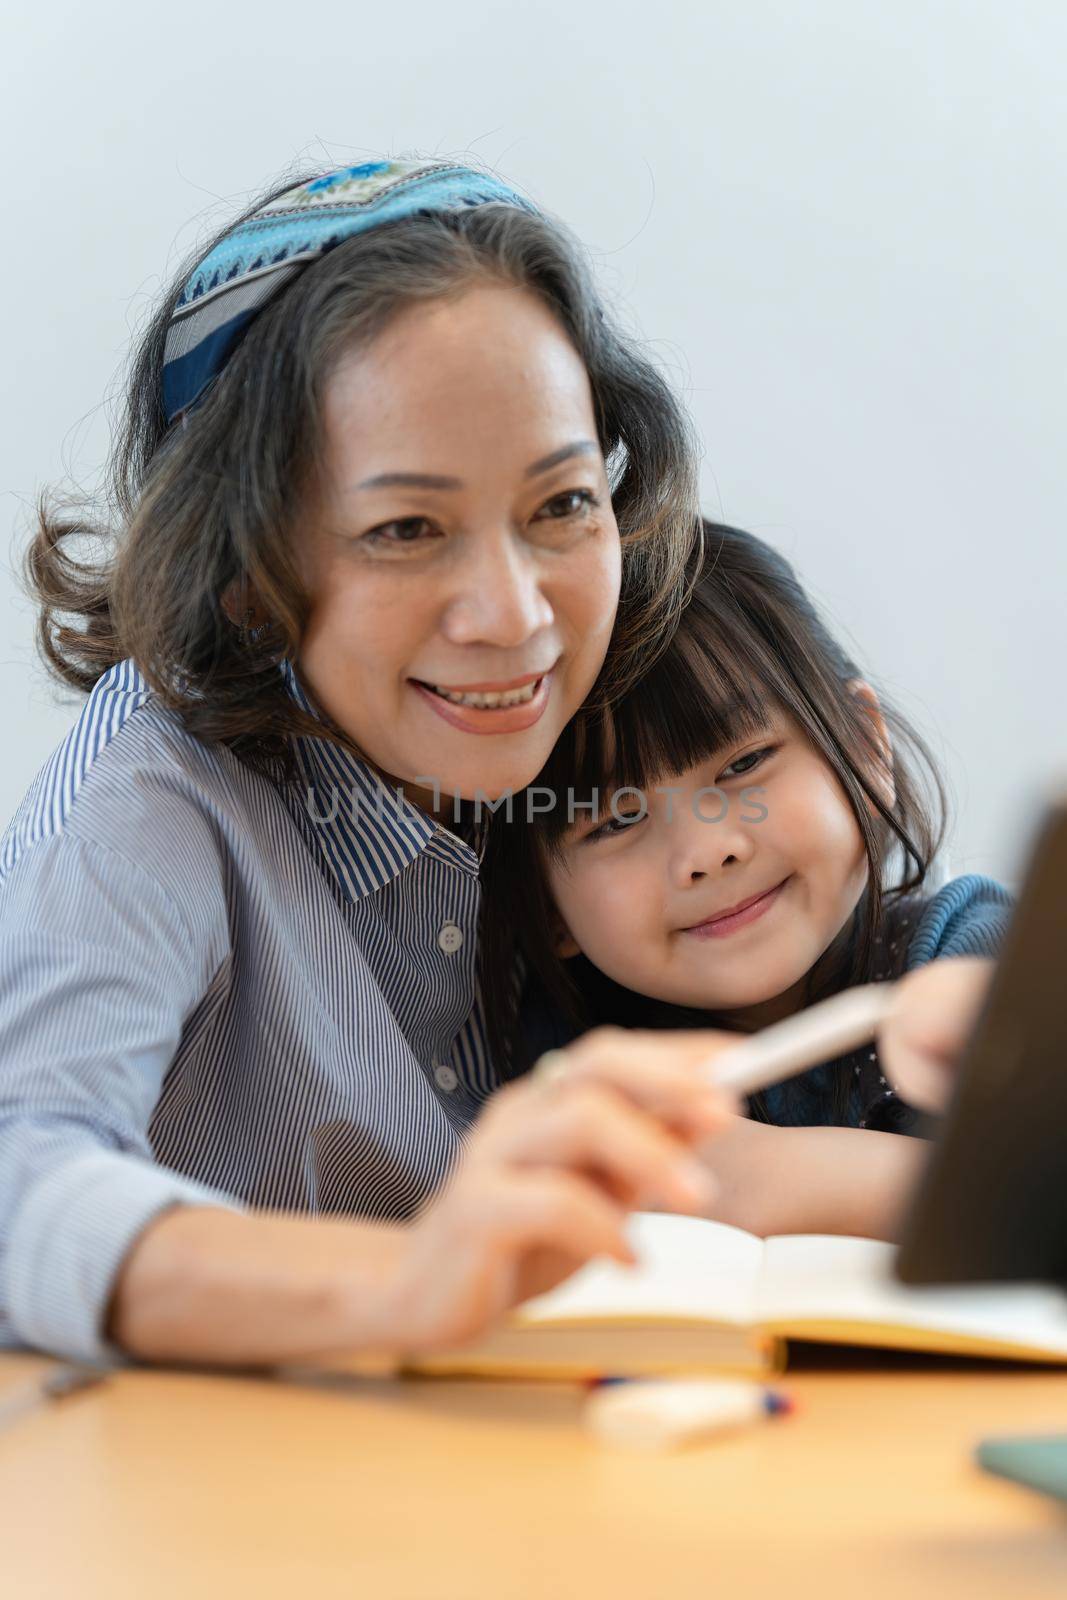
(99, 968)
(967, 917)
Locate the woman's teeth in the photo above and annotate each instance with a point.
(505, 697)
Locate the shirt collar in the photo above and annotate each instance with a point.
(367, 831)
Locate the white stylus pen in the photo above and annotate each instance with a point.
(818, 1034)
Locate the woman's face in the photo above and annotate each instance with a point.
(636, 899)
(466, 547)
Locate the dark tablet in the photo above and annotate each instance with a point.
(992, 1204)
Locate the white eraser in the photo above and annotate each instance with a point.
(663, 1414)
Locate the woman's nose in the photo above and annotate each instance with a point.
(497, 594)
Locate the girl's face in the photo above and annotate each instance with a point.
(466, 547)
(645, 901)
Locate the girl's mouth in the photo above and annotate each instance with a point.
(722, 927)
(485, 710)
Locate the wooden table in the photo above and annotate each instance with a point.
(176, 1483)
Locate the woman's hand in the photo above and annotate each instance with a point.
(545, 1183)
(934, 1009)
(550, 1173)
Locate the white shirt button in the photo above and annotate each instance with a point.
(444, 1077)
(450, 938)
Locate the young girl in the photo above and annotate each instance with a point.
(761, 840)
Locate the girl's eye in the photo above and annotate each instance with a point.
(754, 756)
(586, 500)
(612, 826)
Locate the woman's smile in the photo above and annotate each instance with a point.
(489, 708)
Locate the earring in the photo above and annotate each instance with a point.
(249, 635)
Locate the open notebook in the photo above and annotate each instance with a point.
(705, 1296)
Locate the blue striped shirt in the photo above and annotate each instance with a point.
(215, 989)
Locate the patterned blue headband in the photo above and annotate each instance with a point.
(260, 256)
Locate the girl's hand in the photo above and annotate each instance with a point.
(934, 1009)
(550, 1174)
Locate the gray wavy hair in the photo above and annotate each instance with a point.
(207, 506)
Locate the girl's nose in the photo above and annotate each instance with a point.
(497, 595)
(704, 848)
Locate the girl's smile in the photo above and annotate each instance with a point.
(722, 924)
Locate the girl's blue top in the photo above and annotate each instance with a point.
(968, 916)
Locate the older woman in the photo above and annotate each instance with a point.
(391, 484)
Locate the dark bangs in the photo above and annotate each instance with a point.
(702, 696)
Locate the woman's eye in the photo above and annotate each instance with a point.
(406, 529)
(586, 500)
(754, 756)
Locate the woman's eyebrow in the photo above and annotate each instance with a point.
(578, 447)
(434, 480)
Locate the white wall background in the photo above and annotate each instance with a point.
(839, 223)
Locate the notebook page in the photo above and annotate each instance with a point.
(688, 1267)
(810, 1277)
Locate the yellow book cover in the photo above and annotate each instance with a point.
(705, 1297)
